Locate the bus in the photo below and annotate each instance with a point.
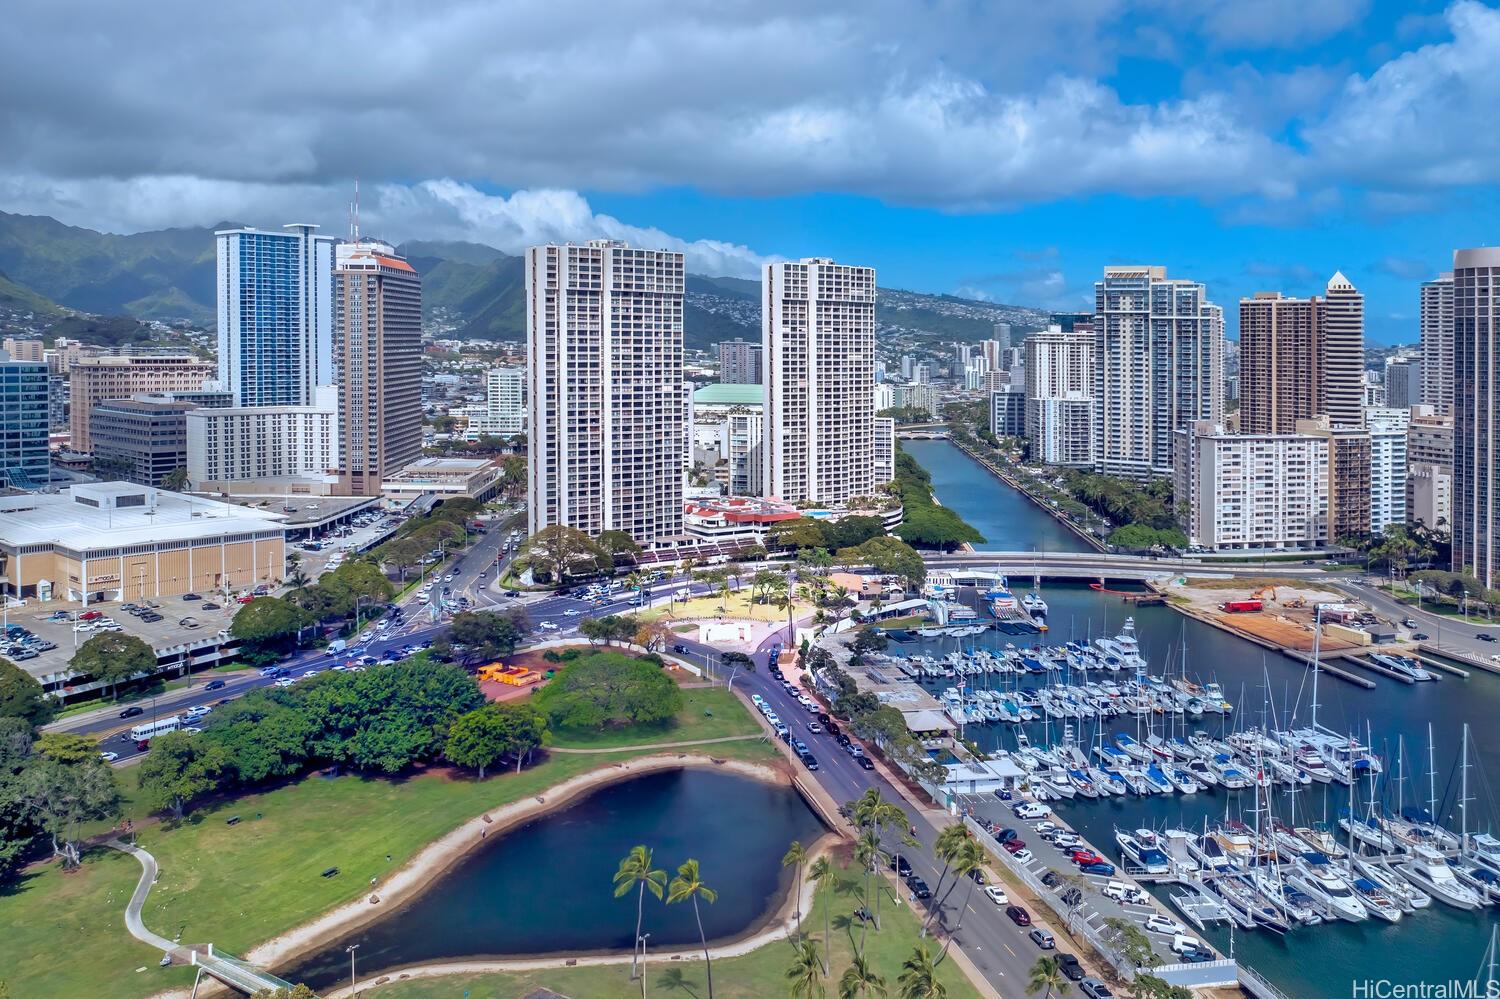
(148, 731)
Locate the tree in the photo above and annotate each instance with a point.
(66, 748)
(558, 552)
(263, 739)
(736, 662)
(513, 475)
(22, 696)
(860, 980)
(609, 688)
(298, 991)
(796, 856)
(967, 861)
(636, 872)
(804, 976)
(488, 734)
(176, 480)
(919, 978)
(1047, 974)
(178, 769)
(822, 875)
(63, 797)
(892, 557)
(268, 626)
(1151, 987)
(688, 885)
(488, 634)
(1131, 943)
(802, 533)
(618, 543)
(946, 848)
(112, 656)
(17, 820)
(1140, 537)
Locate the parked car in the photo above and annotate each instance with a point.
(997, 895)
(901, 866)
(1095, 989)
(1158, 923)
(1042, 938)
(191, 596)
(210, 605)
(1023, 856)
(1071, 969)
(814, 727)
(1103, 869)
(918, 887)
(1013, 845)
(1018, 915)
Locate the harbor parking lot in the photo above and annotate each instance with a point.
(181, 621)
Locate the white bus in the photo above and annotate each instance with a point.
(148, 731)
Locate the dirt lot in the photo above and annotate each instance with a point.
(1289, 606)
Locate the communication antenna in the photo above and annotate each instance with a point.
(354, 214)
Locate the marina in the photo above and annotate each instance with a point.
(1374, 732)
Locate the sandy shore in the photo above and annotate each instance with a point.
(431, 861)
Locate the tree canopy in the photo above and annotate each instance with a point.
(178, 769)
(609, 688)
(487, 735)
(1140, 537)
(484, 634)
(892, 557)
(22, 696)
(558, 552)
(112, 657)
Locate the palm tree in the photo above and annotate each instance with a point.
(821, 872)
(635, 581)
(949, 841)
(796, 854)
(968, 860)
(1047, 974)
(636, 872)
(869, 853)
(860, 979)
(805, 975)
(919, 978)
(688, 884)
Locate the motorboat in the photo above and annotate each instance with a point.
(1485, 882)
(1034, 605)
(1181, 778)
(1310, 761)
(1429, 871)
(1202, 773)
(1315, 875)
(1405, 666)
(1228, 772)
(1148, 858)
(1158, 780)
(1402, 891)
(1368, 832)
(1485, 849)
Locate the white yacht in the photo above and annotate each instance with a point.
(1405, 893)
(1315, 876)
(1429, 871)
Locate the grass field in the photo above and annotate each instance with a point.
(737, 606)
(753, 976)
(240, 885)
(708, 713)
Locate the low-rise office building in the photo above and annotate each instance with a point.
(447, 478)
(264, 445)
(141, 440)
(122, 541)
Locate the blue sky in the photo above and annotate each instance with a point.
(1005, 150)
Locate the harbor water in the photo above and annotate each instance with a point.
(1433, 945)
(547, 886)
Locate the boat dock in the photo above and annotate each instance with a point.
(1459, 655)
(1439, 664)
(1296, 655)
(1373, 667)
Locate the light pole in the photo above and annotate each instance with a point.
(642, 942)
(350, 950)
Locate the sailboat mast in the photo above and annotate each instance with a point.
(1431, 776)
(1463, 797)
(1316, 649)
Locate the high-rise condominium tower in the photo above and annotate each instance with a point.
(604, 384)
(818, 330)
(1476, 413)
(1060, 395)
(1436, 322)
(1158, 366)
(275, 314)
(377, 348)
(1341, 322)
(739, 362)
(1280, 362)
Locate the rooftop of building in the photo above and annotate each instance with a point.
(109, 514)
(720, 394)
(440, 469)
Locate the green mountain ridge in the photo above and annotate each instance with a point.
(473, 289)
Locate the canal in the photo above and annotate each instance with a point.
(1317, 961)
(547, 886)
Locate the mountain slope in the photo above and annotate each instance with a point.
(18, 299)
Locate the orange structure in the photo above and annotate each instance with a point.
(515, 676)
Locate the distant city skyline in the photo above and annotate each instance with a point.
(1008, 154)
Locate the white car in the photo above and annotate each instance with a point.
(757, 700)
(1031, 810)
(1159, 923)
(997, 895)
(84, 626)
(547, 626)
(572, 612)
(1023, 856)
(109, 757)
(368, 636)
(285, 682)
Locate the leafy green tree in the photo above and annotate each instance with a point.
(1141, 537)
(267, 627)
(1151, 987)
(262, 739)
(688, 885)
(804, 976)
(558, 552)
(178, 769)
(618, 543)
(919, 978)
(486, 634)
(1131, 943)
(802, 533)
(636, 872)
(17, 821)
(112, 657)
(1047, 974)
(892, 557)
(610, 689)
(67, 748)
(488, 734)
(851, 531)
(64, 797)
(860, 981)
(22, 696)
(298, 991)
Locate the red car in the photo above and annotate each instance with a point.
(1012, 845)
(89, 615)
(1084, 857)
(1018, 915)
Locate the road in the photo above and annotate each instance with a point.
(1443, 630)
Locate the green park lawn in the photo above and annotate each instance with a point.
(753, 976)
(707, 713)
(736, 607)
(240, 885)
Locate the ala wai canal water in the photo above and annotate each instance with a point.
(1318, 962)
(547, 886)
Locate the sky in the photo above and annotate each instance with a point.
(999, 150)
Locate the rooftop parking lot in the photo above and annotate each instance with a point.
(180, 621)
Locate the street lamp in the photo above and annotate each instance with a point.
(641, 941)
(350, 951)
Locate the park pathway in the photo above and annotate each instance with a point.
(657, 745)
(133, 921)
